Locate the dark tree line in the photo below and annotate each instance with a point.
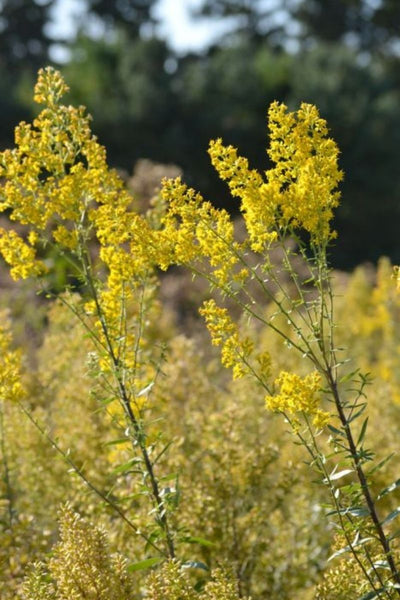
(342, 55)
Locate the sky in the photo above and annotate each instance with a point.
(182, 32)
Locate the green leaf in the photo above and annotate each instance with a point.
(373, 594)
(348, 549)
(162, 452)
(198, 540)
(154, 536)
(390, 488)
(339, 474)
(362, 432)
(358, 512)
(394, 535)
(115, 442)
(348, 376)
(395, 513)
(353, 511)
(336, 431)
(195, 564)
(379, 564)
(145, 390)
(358, 413)
(126, 466)
(104, 402)
(144, 564)
(380, 464)
(169, 477)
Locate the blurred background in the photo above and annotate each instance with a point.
(162, 77)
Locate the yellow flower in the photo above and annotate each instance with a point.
(299, 191)
(305, 169)
(19, 255)
(10, 366)
(298, 396)
(193, 230)
(236, 352)
(50, 86)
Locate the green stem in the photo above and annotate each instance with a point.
(340, 516)
(363, 481)
(87, 481)
(139, 437)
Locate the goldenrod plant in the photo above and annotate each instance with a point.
(173, 467)
(59, 187)
(290, 208)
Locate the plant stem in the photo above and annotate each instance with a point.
(81, 474)
(126, 404)
(363, 480)
(315, 455)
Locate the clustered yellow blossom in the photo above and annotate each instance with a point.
(258, 199)
(81, 565)
(299, 190)
(19, 255)
(236, 352)
(193, 229)
(171, 582)
(57, 184)
(299, 396)
(11, 388)
(305, 167)
(224, 333)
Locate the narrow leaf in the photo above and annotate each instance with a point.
(115, 442)
(394, 535)
(348, 549)
(126, 466)
(373, 594)
(395, 513)
(340, 474)
(336, 431)
(198, 540)
(348, 376)
(358, 413)
(195, 564)
(362, 432)
(380, 464)
(169, 477)
(379, 564)
(145, 390)
(390, 488)
(144, 564)
(355, 512)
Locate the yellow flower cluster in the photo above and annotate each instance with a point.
(19, 255)
(171, 582)
(81, 566)
(58, 185)
(10, 366)
(305, 167)
(299, 396)
(57, 179)
(194, 229)
(258, 199)
(236, 352)
(299, 191)
(50, 88)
